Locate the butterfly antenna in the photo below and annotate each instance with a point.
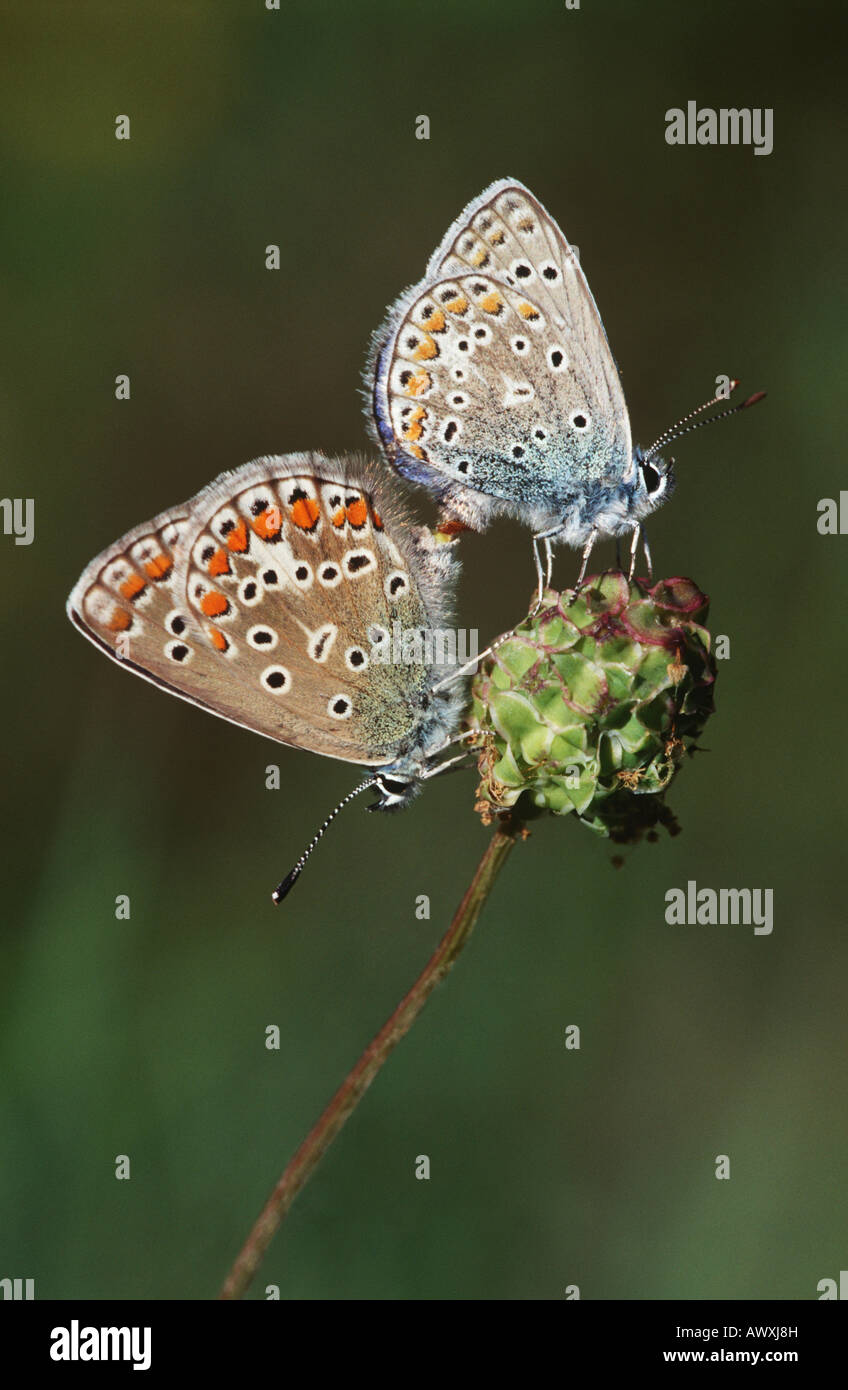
(284, 888)
(684, 427)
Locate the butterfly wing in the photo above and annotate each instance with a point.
(264, 598)
(493, 382)
(126, 603)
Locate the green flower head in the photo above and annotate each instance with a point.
(592, 702)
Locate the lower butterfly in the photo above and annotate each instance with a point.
(272, 599)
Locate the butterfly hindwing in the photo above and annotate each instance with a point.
(493, 382)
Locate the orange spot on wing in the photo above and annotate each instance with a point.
(219, 564)
(458, 305)
(305, 513)
(237, 538)
(450, 527)
(269, 522)
(357, 513)
(491, 303)
(219, 641)
(422, 381)
(159, 566)
(415, 429)
(528, 311)
(377, 520)
(435, 323)
(339, 517)
(416, 451)
(213, 604)
(425, 350)
(119, 621)
(133, 585)
(480, 257)
(498, 237)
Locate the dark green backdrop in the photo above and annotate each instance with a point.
(146, 1037)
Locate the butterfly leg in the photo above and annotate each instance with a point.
(647, 552)
(587, 551)
(549, 562)
(538, 563)
(470, 669)
(434, 769)
(545, 578)
(634, 546)
(452, 742)
(446, 766)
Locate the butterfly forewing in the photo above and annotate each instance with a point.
(496, 372)
(284, 573)
(528, 249)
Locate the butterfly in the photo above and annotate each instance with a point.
(492, 384)
(272, 598)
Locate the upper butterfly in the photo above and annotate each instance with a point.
(270, 599)
(492, 384)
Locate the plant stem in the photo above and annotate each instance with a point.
(353, 1088)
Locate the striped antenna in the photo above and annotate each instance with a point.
(676, 431)
(291, 878)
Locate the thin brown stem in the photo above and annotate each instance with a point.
(353, 1088)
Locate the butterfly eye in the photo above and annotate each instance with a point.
(652, 477)
(392, 788)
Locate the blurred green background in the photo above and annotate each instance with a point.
(146, 1037)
